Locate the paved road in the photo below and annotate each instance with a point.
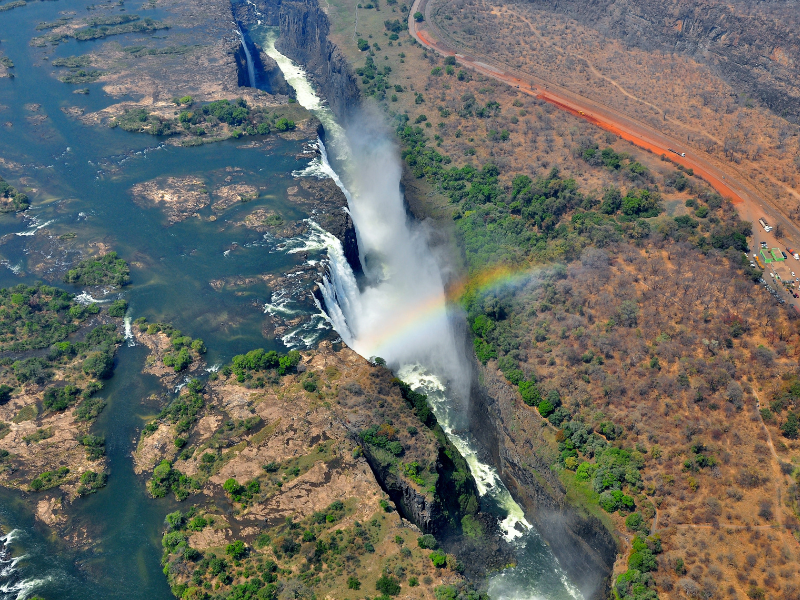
(748, 202)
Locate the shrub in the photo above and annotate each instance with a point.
(232, 487)
(117, 308)
(175, 520)
(439, 559)
(395, 448)
(427, 541)
(90, 482)
(108, 269)
(387, 585)
(530, 393)
(236, 550)
(284, 124)
(171, 541)
(56, 399)
(545, 408)
(178, 360)
(5, 393)
(99, 365)
(635, 522)
(353, 583)
(419, 17)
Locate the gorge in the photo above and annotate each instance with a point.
(398, 310)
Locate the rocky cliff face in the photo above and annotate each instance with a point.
(755, 48)
(303, 37)
(328, 204)
(583, 546)
(418, 508)
(269, 75)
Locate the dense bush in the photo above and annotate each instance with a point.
(244, 366)
(108, 269)
(90, 482)
(10, 199)
(166, 479)
(59, 398)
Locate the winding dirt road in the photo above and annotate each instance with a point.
(749, 203)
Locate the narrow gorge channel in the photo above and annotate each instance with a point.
(399, 312)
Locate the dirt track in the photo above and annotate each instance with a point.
(750, 204)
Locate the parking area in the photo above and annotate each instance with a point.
(781, 277)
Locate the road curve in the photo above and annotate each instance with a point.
(749, 203)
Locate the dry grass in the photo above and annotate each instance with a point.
(673, 93)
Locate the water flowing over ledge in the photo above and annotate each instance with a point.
(400, 313)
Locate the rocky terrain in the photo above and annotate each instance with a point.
(321, 451)
(51, 393)
(304, 38)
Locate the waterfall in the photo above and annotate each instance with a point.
(400, 313)
(251, 70)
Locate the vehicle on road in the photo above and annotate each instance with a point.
(676, 152)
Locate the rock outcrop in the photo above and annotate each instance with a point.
(328, 206)
(304, 29)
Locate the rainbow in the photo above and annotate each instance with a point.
(422, 316)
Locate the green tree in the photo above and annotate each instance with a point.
(791, 426)
(388, 585)
(232, 487)
(236, 550)
(99, 365)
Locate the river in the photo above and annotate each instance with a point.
(83, 178)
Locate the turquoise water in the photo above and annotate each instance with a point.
(82, 177)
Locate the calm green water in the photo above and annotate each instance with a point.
(83, 178)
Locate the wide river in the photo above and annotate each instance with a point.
(82, 178)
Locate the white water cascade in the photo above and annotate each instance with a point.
(251, 70)
(400, 313)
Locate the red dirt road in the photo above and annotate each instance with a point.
(749, 203)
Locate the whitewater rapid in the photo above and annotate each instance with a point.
(400, 313)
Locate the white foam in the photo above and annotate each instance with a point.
(23, 588)
(129, 331)
(86, 298)
(34, 228)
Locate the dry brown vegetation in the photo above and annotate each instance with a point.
(674, 93)
(681, 379)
